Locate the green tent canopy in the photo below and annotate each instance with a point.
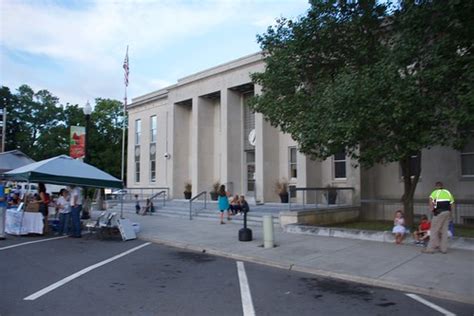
(66, 171)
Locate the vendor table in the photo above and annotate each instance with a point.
(23, 223)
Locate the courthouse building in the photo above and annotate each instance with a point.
(199, 131)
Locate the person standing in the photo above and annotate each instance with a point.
(223, 203)
(76, 208)
(64, 212)
(441, 202)
(43, 201)
(3, 210)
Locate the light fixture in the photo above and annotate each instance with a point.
(87, 108)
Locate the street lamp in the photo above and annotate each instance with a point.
(87, 112)
(87, 109)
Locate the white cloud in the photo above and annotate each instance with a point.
(75, 48)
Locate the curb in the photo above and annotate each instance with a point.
(379, 236)
(318, 272)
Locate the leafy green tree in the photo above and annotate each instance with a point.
(105, 139)
(40, 127)
(380, 83)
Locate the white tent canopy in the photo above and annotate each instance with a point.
(64, 170)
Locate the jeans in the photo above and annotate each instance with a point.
(76, 220)
(64, 222)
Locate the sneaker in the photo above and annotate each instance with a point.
(222, 223)
(427, 250)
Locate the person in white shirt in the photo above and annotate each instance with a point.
(76, 208)
(64, 208)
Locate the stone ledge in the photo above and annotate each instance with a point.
(454, 242)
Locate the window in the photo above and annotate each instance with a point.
(153, 162)
(292, 163)
(415, 165)
(153, 126)
(138, 131)
(137, 163)
(467, 159)
(340, 165)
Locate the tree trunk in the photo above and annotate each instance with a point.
(410, 183)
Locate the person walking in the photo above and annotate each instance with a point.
(76, 208)
(441, 202)
(3, 210)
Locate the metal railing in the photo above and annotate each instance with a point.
(336, 198)
(194, 198)
(163, 193)
(143, 193)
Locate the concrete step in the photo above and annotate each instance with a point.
(176, 210)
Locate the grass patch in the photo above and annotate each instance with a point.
(459, 230)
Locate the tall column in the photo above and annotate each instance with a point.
(202, 144)
(266, 157)
(231, 140)
(309, 175)
(181, 148)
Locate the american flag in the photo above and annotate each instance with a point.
(125, 67)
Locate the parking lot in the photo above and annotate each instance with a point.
(68, 276)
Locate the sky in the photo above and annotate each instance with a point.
(75, 48)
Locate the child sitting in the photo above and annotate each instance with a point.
(422, 234)
(399, 227)
(235, 207)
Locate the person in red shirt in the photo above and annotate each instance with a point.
(422, 234)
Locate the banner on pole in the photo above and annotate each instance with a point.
(78, 142)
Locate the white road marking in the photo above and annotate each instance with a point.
(429, 304)
(247, 304)
(79, 273)
(31, 242)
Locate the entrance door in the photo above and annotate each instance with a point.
(250, 166)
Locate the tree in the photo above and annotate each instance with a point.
(40, 127)
(380, 83)
(105, 139)
(31, 117)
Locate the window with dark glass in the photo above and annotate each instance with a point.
(153, 162)
(292, 163)
(137, 163)
(415, 165)
(467, 159)
(138, 131)
(340, 165)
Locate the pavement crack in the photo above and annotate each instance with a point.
(398, 265)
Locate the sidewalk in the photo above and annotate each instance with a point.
(405, 268)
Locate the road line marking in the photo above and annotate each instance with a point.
(429, 304)
(79, 273)
(31, 242)
(247, 304)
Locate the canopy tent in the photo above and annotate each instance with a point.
(13, 159)
(66, 171)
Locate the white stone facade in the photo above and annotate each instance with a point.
(202, 137)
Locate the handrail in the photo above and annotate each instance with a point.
(304, 189)
(163, 192)
(191, 203)
(143, 192)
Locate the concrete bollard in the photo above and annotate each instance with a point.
(267, 231)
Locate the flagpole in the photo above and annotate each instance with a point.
(126, 69)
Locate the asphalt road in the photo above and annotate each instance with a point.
(97, 277)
